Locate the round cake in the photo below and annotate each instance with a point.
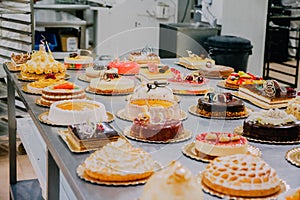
(173, 182)
(221, 144)
(64, 91)
(194, 61)
(119, 161)
(77, 61)
(294, 107)
(95, 71)
(220, 105)
(154, 98)
(272, 125)
(216, 71)
(125, 67)
(110, 82)
(144, 58)
(42, 64)
(234, 80)
(143, 128)
(76, 111)
(191, 82)
(39, 85)
(241, 175)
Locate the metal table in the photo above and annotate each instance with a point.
(61, 159)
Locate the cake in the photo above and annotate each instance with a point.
(272, 125)
(156, 99)
(42, 64)
(196, 62)
(119, 162)
(221, 144)
(125, 67)
(76, 111)
(39, 85)
(235, 80)
(220, 105)
(292, 194)
(192, 82)
(63, 91)
(144, 58)
(155, 72)
(215, 71)
(77, 61)
(270, 94)
(144, 128)
(293, 107)
(91, 135)
(95, 71)
(173, 182)
(241, 175)
(18, 59)
(111, 83)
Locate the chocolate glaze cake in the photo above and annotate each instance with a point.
(143, 129)
(220, 105)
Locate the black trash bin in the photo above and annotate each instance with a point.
(230, 51)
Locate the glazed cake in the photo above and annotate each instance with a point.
(144, 128)
(119, 162)
(272, 125)
(221, 144)
(156, 99)
(173, 182)
(215, 71)
(111, 83)
(125, 67)
(153, 72)
(42, 64)
(143, 58)
(38, 86)
(241, 175)
(91, 135)
(220, 105)
(293, 107)
(269, 94)
(76, 111)
(192, 82)
(77, 61)
(64, 91)
(235, 80)
(196, 62)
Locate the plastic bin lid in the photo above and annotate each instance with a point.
(229, 42)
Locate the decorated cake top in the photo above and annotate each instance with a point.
(167, 183)
(50, 79)
(223, 139)
(272, 117)
(117, 63)
(191, 78)
(244, 78)
(120, 157)
(76, 58)
(195, 59)
(20, 58)
(220, 98)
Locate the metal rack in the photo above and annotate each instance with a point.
(278, 30)
(16, 27)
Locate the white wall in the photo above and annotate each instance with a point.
(247, 19)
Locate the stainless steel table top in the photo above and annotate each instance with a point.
(163, 153)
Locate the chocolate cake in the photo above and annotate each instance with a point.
(143, 129)
(220, 105)
(91, 135)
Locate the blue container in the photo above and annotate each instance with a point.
(44, 36)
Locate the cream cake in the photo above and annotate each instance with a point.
(196, 62)
(293, 107)
(215, 71)
(95, 71)
(42, 64)
(268, 94)
(154, 72)
(241, 175)
(155, 99)
(39, 85)
(221, 144)
(190, 82)
(144, 58)
(119, 161)
(77, 61)
(76, 111)
(173, 182)
(63, 91)
(111, 83)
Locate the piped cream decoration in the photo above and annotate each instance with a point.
(294, 107)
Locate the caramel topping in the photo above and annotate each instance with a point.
(152, 102)
(77, 106)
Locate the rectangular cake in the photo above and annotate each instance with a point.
(265, 96)
(89, 136)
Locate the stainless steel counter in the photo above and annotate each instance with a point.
(67, 161)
